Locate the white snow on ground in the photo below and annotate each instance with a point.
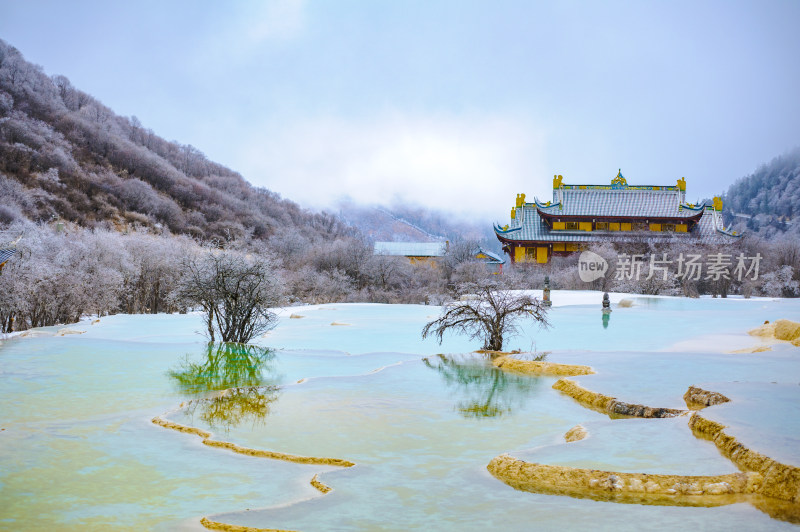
(561, 298)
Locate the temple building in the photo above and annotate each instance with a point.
(493, 261)
(580, 215)
(5, 255)
(432, 252)
(8, 250)
(415, 252)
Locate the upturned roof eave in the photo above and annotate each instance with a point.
(616, 236)
(549, 216)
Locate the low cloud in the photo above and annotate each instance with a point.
(463, 164)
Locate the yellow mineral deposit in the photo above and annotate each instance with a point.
(610, 405)
(296, 317)
(698, 398)
(538, 367)
(576, 433)
(215, 525)
(788, 331)
(771, 486)
(260, 453)
(339, 324)
(319, 485)
(779, 331)
(767, 330)
(625, 303)
(749, 350)
(634, 488)
(777, 480)
(180, 428)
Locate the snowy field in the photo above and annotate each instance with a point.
(421, 421)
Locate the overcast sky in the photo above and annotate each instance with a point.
(456, 105)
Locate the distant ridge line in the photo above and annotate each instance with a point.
(411, 225)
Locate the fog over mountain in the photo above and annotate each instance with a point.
(64, 155)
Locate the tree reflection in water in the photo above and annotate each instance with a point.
(242, 376)
(489, 391)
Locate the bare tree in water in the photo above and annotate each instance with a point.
(487, 311)
(235, 291)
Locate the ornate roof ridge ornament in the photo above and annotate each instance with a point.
(544, 205)
(619, 181)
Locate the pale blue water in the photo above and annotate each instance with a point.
(78, 450)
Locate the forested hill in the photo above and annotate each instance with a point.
(64, 155)
(767, 201)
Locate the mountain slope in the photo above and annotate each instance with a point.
(65, 155)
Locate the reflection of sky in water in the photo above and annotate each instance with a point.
(79, 450)
(659, 446)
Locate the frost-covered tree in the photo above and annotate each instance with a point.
(386, 272)
(767, 201)
(152, 272)
(235, 291)
(779, 283)
(57, 277)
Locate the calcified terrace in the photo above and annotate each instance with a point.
(772, 486)
(322, 438)
(768, 484)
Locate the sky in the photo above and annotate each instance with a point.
(454, 105)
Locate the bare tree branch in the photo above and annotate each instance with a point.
(235, 291)
(489, 312)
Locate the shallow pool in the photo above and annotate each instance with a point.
(78, 449)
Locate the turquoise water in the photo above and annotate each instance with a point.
(78, 450)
